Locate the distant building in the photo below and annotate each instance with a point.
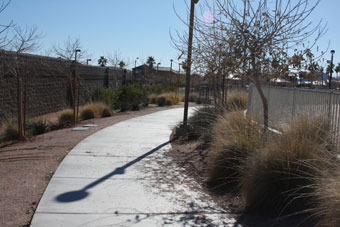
(156, 75)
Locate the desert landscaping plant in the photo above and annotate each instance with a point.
(37, 127)
(234, 139)
(102, 95)
(278, 179)
(237, 100)
(9, 131)
(95, 110)
(326, 195)
(200, 123)
(66, 118)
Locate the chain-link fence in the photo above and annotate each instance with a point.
(286, 103)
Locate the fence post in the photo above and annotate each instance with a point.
(250, 95)
(293, 107)
(330, 104)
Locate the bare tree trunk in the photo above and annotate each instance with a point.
(214, 89)
(264, 102)
(19, 100)
(25, 101)
(223, 90)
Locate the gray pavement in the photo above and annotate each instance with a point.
(120, 176)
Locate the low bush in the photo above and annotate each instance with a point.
(234, 139)
(129, 97)
(153, 98)
(106, 112)
(168, 99)
(277, 180)
(9, 131)
(102, 95)
(161, 100)
(66, 118)
(37, 127)
(94, 110)
(86, 113)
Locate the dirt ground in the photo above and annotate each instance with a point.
(26, 167)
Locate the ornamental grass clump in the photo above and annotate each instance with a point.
(237, 100)
(37, 127)
(278, 178)
(234, 139)
(66, 118)
(201, 121)
(9, 131)
(327, 196)
(95, 110)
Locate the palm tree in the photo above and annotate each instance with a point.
(151, 61)
(337, 70)
(121, 64)
(102, 61)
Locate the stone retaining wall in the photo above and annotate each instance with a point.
(48, 83)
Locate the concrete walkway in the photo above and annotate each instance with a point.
(120, 176)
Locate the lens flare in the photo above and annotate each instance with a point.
(208, 17)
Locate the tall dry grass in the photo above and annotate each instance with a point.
(163, 99)
(234, 139)
(237, 100)
(327, 196)
(94, 110)
(201, 122)
(278, 179)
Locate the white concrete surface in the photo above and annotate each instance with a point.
(120, 176)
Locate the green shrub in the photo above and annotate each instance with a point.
(86, 113)
(102, 95)
(66, 118)
(161, 100)
(129, 97)
(234, 139)
(37, 127)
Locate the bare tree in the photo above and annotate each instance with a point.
(22, 41)
(4, 28)
(259, 34)
(115, 58)
(68, 49)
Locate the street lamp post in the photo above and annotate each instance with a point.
(136, 61)
(331, 70)
(171, 65)
(158, 66)
(75, 90)
(188, 63)
(75, 56)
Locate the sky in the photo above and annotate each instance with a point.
(135, 28)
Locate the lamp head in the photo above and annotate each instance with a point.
(332, 51)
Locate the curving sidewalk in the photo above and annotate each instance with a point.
(120, 176)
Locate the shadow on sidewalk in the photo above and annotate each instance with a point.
(73, 196)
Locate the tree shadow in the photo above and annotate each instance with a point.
(73, 196)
